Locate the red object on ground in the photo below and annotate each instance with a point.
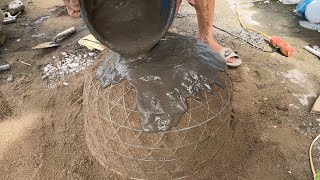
(285, 48)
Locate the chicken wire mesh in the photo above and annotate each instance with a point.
(115, 138)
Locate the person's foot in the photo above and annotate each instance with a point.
(216, 47)
(204, 38)
(73, 7)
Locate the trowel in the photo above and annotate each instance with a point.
(57, 39)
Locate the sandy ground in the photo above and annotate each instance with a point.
(41, 127)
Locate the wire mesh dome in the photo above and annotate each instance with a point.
(115, 138)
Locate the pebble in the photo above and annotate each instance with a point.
(73, 65)
(64, 54)
(282, 107)
(10, 78)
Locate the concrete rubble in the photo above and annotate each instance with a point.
(68, 64)
(15, 7)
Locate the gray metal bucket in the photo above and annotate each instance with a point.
(128, 26)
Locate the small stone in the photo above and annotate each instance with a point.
(15, 7)
(265, 99)
(91, 54)
(73, 65)
(282, 106)
(10, 78)
(46, 69)
(59, 64)
(68, 60)
(64, 54)
(54, 57)
(65, 83)
(18, 40)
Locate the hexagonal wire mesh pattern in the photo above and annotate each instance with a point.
(114, 136)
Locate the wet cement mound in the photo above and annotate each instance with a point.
(179, 67)
(113, 119)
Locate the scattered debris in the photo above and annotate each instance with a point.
(57, 39)
(69, 64)
(303, 98)
(242, 35)
(91, 43)
(316, 107)
(15, 7)
(28, 64)
(4, 67)
(253, 38)
(38, 35)
(40, 20)
(312, 50)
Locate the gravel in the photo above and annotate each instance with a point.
(67, 64)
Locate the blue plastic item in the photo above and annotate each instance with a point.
(301, 8)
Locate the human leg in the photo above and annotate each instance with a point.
(205, 14)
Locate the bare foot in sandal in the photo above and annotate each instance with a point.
(73, 7)
(205, 13)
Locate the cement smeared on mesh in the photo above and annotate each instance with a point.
(179, 67)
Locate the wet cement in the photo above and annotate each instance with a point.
(177, 68)
(129, 26)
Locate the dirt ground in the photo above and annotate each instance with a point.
(41, 128)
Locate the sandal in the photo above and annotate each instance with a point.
(227, 53)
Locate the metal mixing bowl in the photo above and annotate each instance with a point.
(128, 26)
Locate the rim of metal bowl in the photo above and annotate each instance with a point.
(146, 47)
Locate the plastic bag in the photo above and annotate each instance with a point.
(301, 8)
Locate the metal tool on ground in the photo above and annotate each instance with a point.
(8, 18)
(4, 67)
(275, 41)
(57, 39)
